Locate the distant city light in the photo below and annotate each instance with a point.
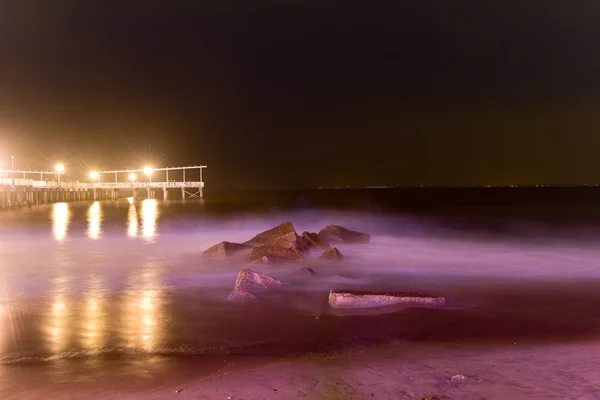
(59, 168)
(93, 175)
(148, 171)
(132, 176)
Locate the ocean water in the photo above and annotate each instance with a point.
(119, 283)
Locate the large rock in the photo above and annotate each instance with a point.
(339, 234)
(362, 299)
(227, 249)
(283, 235)
(278, 244)
(268, 253)
(239, 295)
(252, 281)
(333, 254)
(314, 241)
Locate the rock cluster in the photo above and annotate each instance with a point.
(282, 243)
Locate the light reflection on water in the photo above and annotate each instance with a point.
(95, 318)
(143, 308)
(149, 218)
(60, 221)
(94, 220)
(132, 219)
(60, 313)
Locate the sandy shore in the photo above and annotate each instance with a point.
(399, 371)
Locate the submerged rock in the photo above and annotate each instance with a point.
(304, 272)
(314, 241)
(227, 249)
(333, 254)
(239, 295)
(355, 299)
(339, 234)
(253, 281)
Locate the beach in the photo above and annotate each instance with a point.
(393, 371)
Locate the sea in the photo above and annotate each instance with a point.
(119, 291)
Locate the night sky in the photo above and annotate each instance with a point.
(291, 94)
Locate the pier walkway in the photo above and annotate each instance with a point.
(18, 187)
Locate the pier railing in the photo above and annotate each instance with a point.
(99, 185)
(42, 184)
(145, 185)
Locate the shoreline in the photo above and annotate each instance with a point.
(391, 371)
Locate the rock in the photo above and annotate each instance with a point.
(278, 244)
(314, 241)
(362, 299)
(333, 254)
(239, 295)
(339, 234)
(458, 378)
(227, 249)
(437, 397)
(252, 281)
(269, 253)
(304, 272)
(283, 235)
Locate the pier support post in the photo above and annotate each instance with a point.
(182, 193)
(165, 194)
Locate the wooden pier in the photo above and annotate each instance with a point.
(17, 188)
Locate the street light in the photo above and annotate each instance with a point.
(95, 176)
(59, 168)
(132, 177)
(148, 173)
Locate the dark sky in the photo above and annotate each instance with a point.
(278, 94)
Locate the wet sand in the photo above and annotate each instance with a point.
(393, 371)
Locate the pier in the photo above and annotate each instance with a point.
(26, 187)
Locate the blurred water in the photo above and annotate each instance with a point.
(126, 279)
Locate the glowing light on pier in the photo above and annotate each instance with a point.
(94, 175)
(60, 221)
(132, 177)
(59, 168)
(148, 171)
